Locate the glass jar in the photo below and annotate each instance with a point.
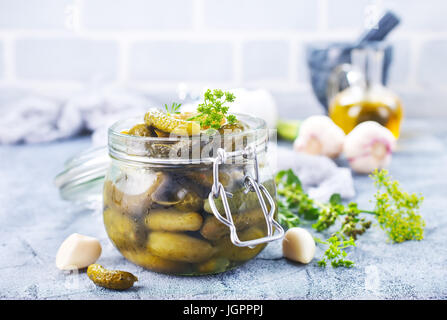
(368, 99)
(190, 205)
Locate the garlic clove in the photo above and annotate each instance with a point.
(298, 245)
(369, 146)
(77, 252)
(319, 135)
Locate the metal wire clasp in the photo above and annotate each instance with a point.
(252, 185)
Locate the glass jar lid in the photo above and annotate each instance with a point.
(82, 179)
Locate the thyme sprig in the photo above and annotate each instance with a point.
(396, 211)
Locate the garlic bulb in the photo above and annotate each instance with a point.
(319, 135)
(369, 146)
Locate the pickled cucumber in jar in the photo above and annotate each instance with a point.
(157, 214)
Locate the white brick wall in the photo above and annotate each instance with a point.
(345, 14)
(179, 60)
(432, 71)
(422, 15)
(33, 14)
(65, 59)
(154, 45)
(137, 14)
(265, 60)
(260, 14)
(1, 61)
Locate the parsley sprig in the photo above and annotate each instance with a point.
(213, 111)
(396, 212)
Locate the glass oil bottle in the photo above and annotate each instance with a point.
(368, 99)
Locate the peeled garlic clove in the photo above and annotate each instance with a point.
(77, 252)
(319, 135)
(369, 146)
(298, 245)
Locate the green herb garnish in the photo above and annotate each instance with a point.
(396, 212)
(213, 111)
(174, 108)
(335, 253)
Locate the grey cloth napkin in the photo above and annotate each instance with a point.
(32, 118)
(320, 176)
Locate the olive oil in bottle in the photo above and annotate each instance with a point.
(369, 101)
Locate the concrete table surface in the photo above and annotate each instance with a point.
(34, 221)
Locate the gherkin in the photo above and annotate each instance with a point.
(110, 279)
(170, 124)
(140, 130)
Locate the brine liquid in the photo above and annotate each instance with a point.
(347, 116)
(161, 218)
